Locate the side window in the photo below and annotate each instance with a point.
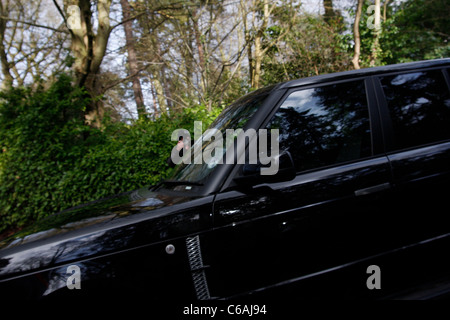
(419, 105)
(324, 125)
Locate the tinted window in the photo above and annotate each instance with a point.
(325, 125)
(419, 104)
(234, 116)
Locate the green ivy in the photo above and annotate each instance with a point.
(50, 160)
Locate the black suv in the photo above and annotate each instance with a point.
(358, 207)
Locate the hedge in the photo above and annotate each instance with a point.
(50, 160)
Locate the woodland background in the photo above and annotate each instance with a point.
(91, 90)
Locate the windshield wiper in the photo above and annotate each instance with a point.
(174, 183)
(180, 183)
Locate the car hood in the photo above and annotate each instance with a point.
(101, 227)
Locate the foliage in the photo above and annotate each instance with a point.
(417, 30)
(413, 31)
(51, 160)
(312, 47)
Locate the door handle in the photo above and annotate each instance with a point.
(373, 189)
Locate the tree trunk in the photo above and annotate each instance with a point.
(260, 48)
(329, 11)
(101, 38)
(132, 59)
(256, 78)
(157, 74)
(88, 48)
(7, 77)
(259, 52)
(187, 52)
(376, 49)
(385, 6)
(248, 42)
(195, 16)
(357, 36)
(159, 92)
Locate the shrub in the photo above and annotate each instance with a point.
(50, 160)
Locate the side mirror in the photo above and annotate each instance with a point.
(280, 168)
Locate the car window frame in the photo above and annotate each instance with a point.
(446, 71)
(378, 121)
(222, 178)
(386, 119)
(373, 112)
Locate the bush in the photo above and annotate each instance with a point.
(50, 160)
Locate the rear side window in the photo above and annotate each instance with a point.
(325, 125)
(419, 105)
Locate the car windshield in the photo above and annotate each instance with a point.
(234, 117)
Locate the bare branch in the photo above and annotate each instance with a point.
(115, 83)
(33, 24)
(127, 20)
(60, 11)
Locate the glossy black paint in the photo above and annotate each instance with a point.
(421, 178)
(308, 236)
(124, 242)
(292, 229)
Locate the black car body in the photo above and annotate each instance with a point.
(363, 180)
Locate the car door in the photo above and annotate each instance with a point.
(415, 107)
(329, 216)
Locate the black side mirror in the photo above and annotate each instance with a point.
(280, 168)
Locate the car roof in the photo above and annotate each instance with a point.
(364, 72)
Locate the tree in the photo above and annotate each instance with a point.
(87, 47)
(195, 50)
(416, 30)
(7, 77)
(30, 49)
(260, 14)
(376, 29)
(312, 47)
(329, 10)
(357, 35)
(132, 59)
